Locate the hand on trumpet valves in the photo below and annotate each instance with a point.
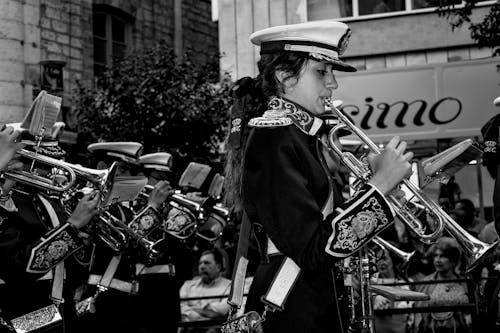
(8, 145)
(391, 166)
(160, 193)
(85, 210)
(381, 303)
(8, 184)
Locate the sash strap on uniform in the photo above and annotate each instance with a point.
(141, 269)
(58, 271)
(283, 282)
(126, 287)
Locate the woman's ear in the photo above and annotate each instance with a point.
(285, 80)
(281, 76)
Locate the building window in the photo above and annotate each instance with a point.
(334, 9)
(112, 30)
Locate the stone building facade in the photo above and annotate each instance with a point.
(41, 39)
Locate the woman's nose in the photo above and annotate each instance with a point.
(331, 82)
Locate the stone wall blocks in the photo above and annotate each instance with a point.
(76, 42)
(75, 64)
(11, 113)
(52, 12)
(63, 39)
(45, 22)
(11, 10)
(32, 74)
(53, 47)
(66, 17)
(75, 53)
(76, 30)
(31, 14)
(12, 70)
(48, 34)
(76, 9)
(65, 50)
(53, 55)
(11, 50)
(60, 26)
(11, 93)
(11, 29)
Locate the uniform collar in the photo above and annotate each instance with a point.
(300, 117)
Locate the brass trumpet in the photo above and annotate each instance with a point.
(43, 183)
(405, 256)
(475, 250)
(184, 217)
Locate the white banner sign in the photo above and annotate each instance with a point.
(441, 101)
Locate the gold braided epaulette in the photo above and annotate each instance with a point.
(271, 118)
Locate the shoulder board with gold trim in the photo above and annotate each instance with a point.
(271, 118)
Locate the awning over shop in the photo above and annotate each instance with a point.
(426, 102)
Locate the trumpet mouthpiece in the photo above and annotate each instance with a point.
(337, 103)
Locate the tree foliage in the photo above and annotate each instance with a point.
(167, 104)
(485, 33)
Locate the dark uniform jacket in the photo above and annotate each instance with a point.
(285, 188)
(29, 248)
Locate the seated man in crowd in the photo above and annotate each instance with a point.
(208, 283)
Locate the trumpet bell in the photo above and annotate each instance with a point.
(211, 229)
(445, 164)
(475, 250)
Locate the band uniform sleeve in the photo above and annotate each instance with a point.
(287, 187)
(55, 247)
(357, 221)
(145, 221)
(22, 247)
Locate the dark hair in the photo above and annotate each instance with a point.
(218, 257)
(449, 247)
(249, 100)
(469, 208)
(288, 62)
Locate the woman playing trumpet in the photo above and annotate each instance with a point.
(303, 227)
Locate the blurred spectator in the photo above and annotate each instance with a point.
(489, 233)
(386, 273)
(490, 294)
(208, 283)
(446, 257)
(449, 194)
(473, 224)
(420, 265)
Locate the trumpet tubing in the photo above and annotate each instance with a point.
(405, 256)
(149, 247)
(35, 180)
(475, 250)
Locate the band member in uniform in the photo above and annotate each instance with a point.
(37, 243)
(491, 159)
(283, 184)
(129, 301)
